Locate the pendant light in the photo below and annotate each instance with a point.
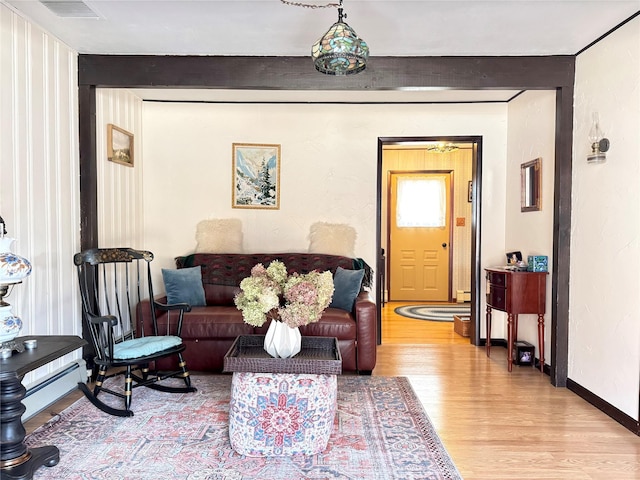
(340, 51)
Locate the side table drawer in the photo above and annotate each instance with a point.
(497, 298)
(497, 279)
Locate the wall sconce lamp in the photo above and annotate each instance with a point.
(599, 144)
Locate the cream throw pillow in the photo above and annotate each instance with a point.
(332, 239)
(219, 235)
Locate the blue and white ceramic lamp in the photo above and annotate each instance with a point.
(13, 269)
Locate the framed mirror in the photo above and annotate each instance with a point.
(531, 185)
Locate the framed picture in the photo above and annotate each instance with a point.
(514, 257)
(523, 353)
(256, 176)
(119, 145)
(470, 192)
(531, 186)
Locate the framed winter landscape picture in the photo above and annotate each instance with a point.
(256, 176)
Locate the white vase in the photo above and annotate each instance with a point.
(282, 341)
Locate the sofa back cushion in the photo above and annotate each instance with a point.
(223, 272)
(220, 294)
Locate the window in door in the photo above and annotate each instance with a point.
(421, 202)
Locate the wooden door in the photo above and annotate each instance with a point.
(420, 236)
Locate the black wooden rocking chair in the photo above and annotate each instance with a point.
(112, 282)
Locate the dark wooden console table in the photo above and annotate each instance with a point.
(516, 292)
(16, 460)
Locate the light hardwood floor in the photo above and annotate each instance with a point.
(500, 425)
(496, 425)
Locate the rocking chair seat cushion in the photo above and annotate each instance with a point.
(144, 346)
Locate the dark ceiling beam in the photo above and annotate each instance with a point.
(298, 73)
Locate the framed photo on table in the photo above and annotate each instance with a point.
(119, 145)
(256, 176)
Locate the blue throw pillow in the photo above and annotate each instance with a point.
(346, 284)
(184, 286)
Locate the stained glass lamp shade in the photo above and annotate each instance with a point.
(340, 51)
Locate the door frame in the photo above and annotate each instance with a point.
(476, 178)
(451, 216)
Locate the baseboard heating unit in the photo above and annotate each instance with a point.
(53, 387)
(463, 296)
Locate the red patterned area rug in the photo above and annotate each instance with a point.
(381, 431)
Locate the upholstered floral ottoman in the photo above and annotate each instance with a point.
(282, 406)
(281, 414)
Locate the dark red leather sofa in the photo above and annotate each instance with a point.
(209, 331)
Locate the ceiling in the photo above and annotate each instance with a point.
(273, 28)
(390, 27)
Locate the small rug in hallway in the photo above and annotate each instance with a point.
(381, 431)
(436, 313)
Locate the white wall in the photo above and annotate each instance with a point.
(328, 170)
(39, 176)
(532, 135)
(604, 322)
(39, 171)
(120, 187)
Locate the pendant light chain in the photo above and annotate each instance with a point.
(310, 5)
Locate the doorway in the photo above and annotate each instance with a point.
(397, 155)
(419, 236)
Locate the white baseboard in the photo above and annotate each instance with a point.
(53, 387)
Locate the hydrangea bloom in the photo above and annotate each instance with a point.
(296, 300)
